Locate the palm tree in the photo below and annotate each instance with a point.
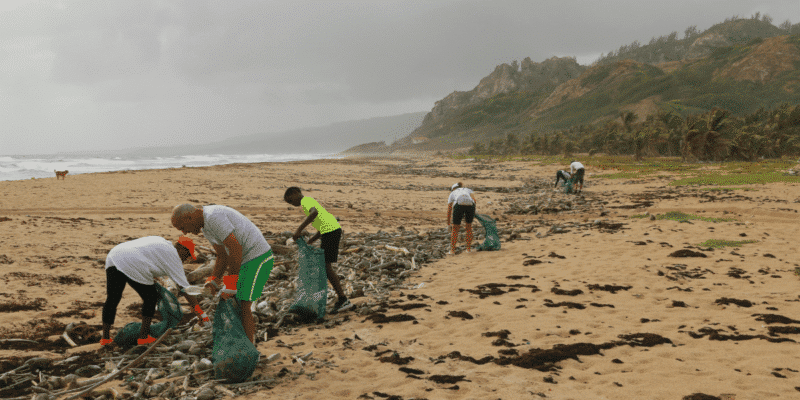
(703, 139)
(716, 146)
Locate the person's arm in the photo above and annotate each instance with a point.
(472, 194)
(234, 255)
(312, 214)
(449, 214)
(189, 298)
(220, 265)
(315, 237)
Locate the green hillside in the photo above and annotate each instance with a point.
(748, 68)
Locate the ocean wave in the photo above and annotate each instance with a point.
(26, 168)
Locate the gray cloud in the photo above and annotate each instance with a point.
(128, 72)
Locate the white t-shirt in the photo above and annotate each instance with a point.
(146, 258)
(461, 196)
(221, 221)
(565, 173)
(575, 166)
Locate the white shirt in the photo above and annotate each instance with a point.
(146, 258)
(221, 221)
(576, 166)
(565, 173)
(461, 196)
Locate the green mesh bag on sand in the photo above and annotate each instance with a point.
(312, 285)
(234, 356)
(171, 315)
(492, 241)
(568, 186)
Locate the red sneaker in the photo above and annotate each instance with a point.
(104, 342)
(149, 340)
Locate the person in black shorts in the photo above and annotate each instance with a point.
(461, 205)
(329, 230)
(577, 167)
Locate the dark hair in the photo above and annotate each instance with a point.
(182, 251)
(290, 191)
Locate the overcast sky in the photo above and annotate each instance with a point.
(103, 74)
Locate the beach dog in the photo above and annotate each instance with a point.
(62, 174)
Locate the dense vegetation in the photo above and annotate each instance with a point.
(697, 110)
(715, 135)
(668, 48)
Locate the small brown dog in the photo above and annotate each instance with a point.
(62, 174)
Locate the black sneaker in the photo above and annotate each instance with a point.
(342, 304)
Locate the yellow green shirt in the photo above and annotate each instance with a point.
(325, 221)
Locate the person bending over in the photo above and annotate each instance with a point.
(460, 204)
(577, 167)
(562, 175)
(330, 233)
(137, 263)
(241, 250)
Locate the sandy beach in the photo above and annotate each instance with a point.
(619, 307)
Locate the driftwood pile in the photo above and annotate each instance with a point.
(178, 366)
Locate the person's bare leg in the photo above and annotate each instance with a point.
(248, 323)
(454, 238)
(468, 237)
(334, 280)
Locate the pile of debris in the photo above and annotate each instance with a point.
(370, 265)
(542, 198)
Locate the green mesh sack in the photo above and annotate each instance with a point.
(492, 241)
(312, 284)
(234, 356)
(171, 315)
(568, 185)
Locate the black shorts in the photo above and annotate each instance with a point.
(330, 243)
(461, 211)
(579, 176)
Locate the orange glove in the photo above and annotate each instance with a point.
(202, 314)
(229, 286)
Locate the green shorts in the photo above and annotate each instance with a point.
(253, 276)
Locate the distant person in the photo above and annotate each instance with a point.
(136, 263)
(329, 230)
(460, 205)
(577, 167)
(562, 175)
(241, 250)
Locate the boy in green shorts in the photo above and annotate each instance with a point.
(241, 250)
(329, 230)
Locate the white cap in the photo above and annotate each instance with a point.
(455, 185)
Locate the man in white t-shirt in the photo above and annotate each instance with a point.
(137, 263)
(460, 204)
(241, 250)
(578, 171)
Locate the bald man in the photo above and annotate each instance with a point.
(241, 251)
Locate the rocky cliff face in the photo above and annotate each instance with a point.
(705, 44)
(529, 76)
